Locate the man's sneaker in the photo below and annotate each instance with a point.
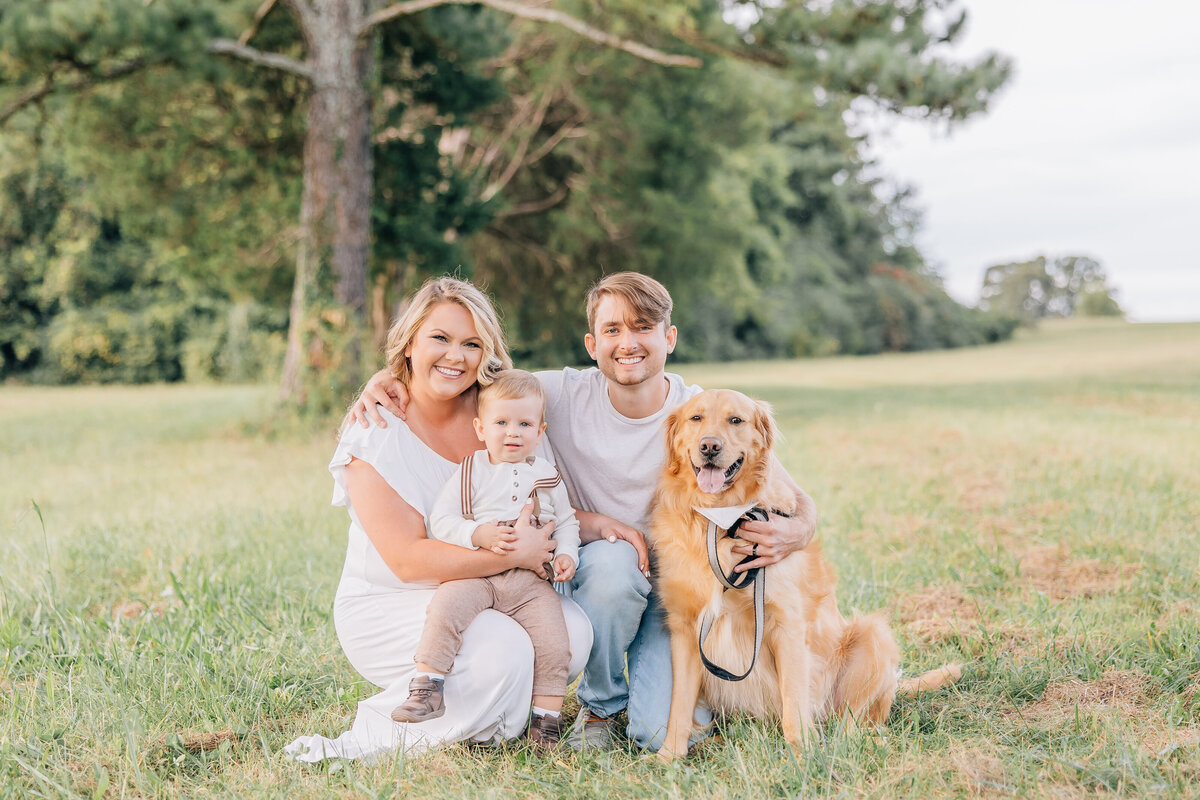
(544, 732)
(590, 730)
(425, 701)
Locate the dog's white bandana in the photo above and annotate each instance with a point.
(724, 516)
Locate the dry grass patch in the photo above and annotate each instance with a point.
(130, 609)
(1163, 741)
(937, 602)
(1011, 533)
(1052, 508)
(1125, 692)
(207, 740)
(1004, 529)
(934, 630)
(983, 771)
(1051, 571)
(1179, 611)
(938, 613)
(982, 493)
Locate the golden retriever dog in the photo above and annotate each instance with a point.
(814, 662)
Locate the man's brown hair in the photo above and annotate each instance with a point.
(649, 299)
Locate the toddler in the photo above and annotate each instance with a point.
(477, 508)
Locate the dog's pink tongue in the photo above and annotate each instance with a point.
(710, 479)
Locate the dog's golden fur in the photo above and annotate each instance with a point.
(814, 662)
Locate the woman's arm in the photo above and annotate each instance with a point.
(398, 533)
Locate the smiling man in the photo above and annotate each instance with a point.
(605, 433)
(605, 430)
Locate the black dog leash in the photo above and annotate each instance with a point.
(735, 581)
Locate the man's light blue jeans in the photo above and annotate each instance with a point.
(626, 618)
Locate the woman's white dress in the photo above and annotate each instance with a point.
(379, 619)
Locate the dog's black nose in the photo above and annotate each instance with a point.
(710, 446)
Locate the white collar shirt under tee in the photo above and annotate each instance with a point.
(610, 462)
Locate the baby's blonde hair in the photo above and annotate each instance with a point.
(512, 384)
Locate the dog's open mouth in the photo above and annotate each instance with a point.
(713, 479)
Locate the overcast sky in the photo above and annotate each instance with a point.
(1093, 148)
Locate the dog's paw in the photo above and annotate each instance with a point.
(664, 756)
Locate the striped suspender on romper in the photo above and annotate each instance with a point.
(465, 489)
(543, 483)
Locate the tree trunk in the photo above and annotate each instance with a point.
(335, 209)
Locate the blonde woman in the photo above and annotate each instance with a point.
(443, 348)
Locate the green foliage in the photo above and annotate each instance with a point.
(423, 206)
(236, 342)
(167, 199)
(1042, 287)
(134, 340)
(80, 300)
(36, 199)
(740, 187)
(512, 152)
(1098, 302)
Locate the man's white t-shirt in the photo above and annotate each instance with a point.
(609, 462)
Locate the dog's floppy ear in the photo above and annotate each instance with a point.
(670, 431)
(764, 422)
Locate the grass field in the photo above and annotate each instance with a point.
(167, 570)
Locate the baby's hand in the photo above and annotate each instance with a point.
(564, 568)
(495, 537)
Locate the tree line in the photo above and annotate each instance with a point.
(188, 190)
(1045, 286)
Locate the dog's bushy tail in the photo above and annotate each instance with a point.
(930, 681)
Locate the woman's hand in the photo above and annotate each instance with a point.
(533, 548)
(382, 390)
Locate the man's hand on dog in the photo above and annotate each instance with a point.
(776, 539)
(382, 390)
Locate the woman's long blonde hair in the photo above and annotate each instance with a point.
(449, 290)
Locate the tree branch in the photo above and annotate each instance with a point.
(700, 43)
(274, 60)
(49, 87)
(488, 151)
(541, 15)
(259, 16)
(534, 206)
(514, 164)
(306, 15)
(569, 129)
